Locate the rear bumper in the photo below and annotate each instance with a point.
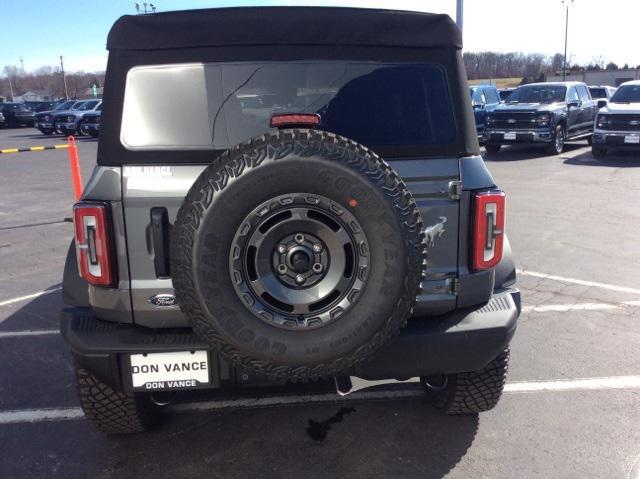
(464, 340)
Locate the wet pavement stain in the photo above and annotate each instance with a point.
(318, 430)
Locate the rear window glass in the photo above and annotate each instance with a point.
(214, 106)
(598, 93)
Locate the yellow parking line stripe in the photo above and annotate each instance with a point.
(34, 148)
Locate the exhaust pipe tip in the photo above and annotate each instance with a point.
(438, 382)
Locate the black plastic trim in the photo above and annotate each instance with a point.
(160, 239)
(75, 290)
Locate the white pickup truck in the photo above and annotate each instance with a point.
(618, 123)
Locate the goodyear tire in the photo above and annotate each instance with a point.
(297, 254)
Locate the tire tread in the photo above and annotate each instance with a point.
(474, 392)
(111, 411)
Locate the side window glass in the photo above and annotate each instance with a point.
(478, 97)
(491, 96)
(572, 94)
(584, 93)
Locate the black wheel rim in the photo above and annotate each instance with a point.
(299, 261)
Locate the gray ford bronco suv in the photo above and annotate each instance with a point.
(286, 195)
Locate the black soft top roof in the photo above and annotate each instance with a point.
(283, 26)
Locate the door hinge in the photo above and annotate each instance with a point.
(455, 190)
(454, 286)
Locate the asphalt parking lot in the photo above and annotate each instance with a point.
(571, 408)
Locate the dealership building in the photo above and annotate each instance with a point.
(599, 77)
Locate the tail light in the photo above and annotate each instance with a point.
(94, 249)
(488, 229)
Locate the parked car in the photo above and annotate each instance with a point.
(505, 92)
(299, 253)
(15, 114)
(43, 121)
(90, 123)
(618, 123)
(67, 122)
(484, 98)
(2, 119)
(601, 94)
(38, 106)
(548, 114)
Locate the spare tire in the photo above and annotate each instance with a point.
(297, 254)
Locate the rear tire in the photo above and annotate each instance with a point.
(469, 393)
(492, 148)
(598, 152)
(115, 412)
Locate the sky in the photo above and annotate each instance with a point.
(39, 31)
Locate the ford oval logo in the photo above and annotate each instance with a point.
(163, 300)
(511, 120)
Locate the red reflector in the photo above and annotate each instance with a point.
(295, 119)
(488, 229)
(93, 243)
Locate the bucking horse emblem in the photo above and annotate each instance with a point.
(435, 231)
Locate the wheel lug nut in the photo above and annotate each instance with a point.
(282, 249)
(299, 238)
(317, 248)
(282, 268)
(300, 279)
(317, 268)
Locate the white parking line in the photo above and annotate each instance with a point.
(563, 308)
(28, 296)
(582, 384)
(39, 415)
(611, 287)
(38, 332)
